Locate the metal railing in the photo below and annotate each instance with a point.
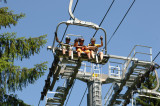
(115, 70)
(134, 51)
(133, 54)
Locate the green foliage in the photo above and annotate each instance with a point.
(13, 77)
(4, 64)
(9, 100)
(7, 18)
(20, 48)
(149, 83)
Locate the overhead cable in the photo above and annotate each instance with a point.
(70, 92)
(105, 16)
(83, 97)
(121, 22)
(156, 73)
(39, 102)
(69, 19)
(156, 56)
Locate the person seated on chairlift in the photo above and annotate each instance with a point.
(80, 48)
(65, 46)
(94, 48)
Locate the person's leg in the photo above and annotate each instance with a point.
(79, 55)
(88, 54)
(92, 54)
(79, 52)
(70, 52)
(63, 51)
(70, 55)
(101, 56)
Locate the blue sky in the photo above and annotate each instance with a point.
(141, 26)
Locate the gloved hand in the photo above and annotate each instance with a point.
(101, 38)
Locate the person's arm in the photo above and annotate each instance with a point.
(92, 47)
(57, 38)
(101, 38)
(79, 46)
(75, 42)
(100, 45)
(86, 47)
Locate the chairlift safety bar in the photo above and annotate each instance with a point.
(74, 35)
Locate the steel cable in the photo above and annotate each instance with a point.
(69, 19)
(105, 16)
(70, 92)
(83, 96)
(156, 56)
(39, 102)
(121, 22)
(156, 74)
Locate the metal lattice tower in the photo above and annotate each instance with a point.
(127, 74)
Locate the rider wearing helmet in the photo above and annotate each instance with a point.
(68, 39)
(80, 48)
(65, 46)
(94, 48)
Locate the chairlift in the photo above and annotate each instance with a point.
(77, 22)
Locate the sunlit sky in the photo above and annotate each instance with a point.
(141, 26)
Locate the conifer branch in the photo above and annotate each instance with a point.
(20, 48)
(8, 18)
(17, 78)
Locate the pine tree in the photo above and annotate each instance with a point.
(13, 77)
(150, 83)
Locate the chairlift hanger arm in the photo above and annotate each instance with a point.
(76, 20)
(84, 23)
(70, 10)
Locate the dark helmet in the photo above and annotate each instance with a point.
(68, 38)
(81, 39)
(93, 39)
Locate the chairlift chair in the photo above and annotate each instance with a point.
(77, 22)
